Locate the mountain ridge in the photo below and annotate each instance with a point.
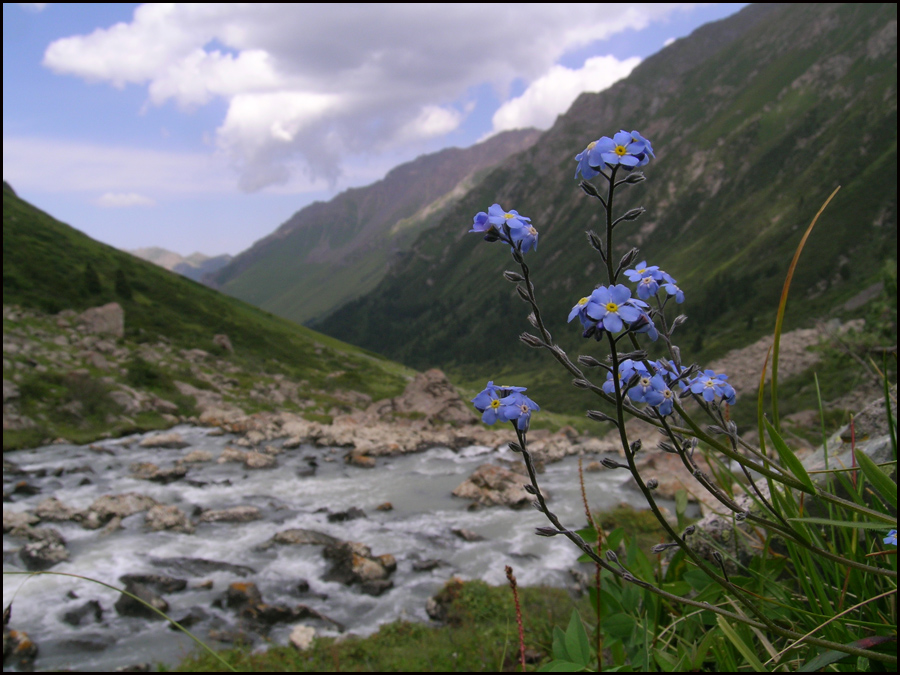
(330, 252)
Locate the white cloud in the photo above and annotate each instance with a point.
(33, 6)
(668, 42)
(121, 200)
(354, 79)
(553, 93)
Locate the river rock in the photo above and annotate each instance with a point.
(128, 606)
(14, 519)
(197, 456)
(300, 537)
(350, 514)
(151, 472)
(352, 562)
(53, 509)
(45, 549)
(19, 651)
(105, 320)
(235, 514)
(241, 594)
(108, 507)
(259, 460)
(158, 583)
(91, 611)
(302, 637)
(164, 517)
(492, 485)
(169, 440)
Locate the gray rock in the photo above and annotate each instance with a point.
(163, 517)
(128, 606)
(492, 485)
(106, 320)
(17, 519)
(168, 440)
(235, 514)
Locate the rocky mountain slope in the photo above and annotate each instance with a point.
(96, 341)
(329, 253)
(755, 120)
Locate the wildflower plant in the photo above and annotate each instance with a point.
(830, 567)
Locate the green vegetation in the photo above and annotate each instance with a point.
(479, 635)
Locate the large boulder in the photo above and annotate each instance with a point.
(492, 485)
(429, 396)
(106, 320)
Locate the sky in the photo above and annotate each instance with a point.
(203, 127)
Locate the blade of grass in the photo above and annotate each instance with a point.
(779, 321)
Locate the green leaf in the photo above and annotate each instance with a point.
(561, 667)
(879, 480)
(619, 625)
(560, 653)
(577, 644)
(845, 523)
(789, 459)
(833, 656)
(698, 579)
(741, 646)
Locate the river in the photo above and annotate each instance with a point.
(418, 528)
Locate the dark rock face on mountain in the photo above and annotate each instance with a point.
(754, 120)
(329, 253)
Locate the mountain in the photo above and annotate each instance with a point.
(755, 120)
(195, 266)
(60, 378)
(329, 253)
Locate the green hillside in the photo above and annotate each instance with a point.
(330, 253)
(755, 120)
(49, 266)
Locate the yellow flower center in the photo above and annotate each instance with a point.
(620, 150)
(612, 307)
(583, 301)
(591, 145)
(667, 393)
(508, 215)
(495, 403)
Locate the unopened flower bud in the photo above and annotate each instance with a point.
(634, 214)
(532, 319)
(667, 447)
(652, 484)
(531, 340)
(688, 531)
(659, 548)
(523, 293)
(515, 447)
(638, 355)
(636, 446)
(612, 464)
(628, 258)
(581, 384)
(546, 532)
(589, 361)
(514, 277)
(596, 242)
(530, 489)
(635, 177)
(680, 319)
(589, 188)
(741, 516)
(598, 416)
(612, 557)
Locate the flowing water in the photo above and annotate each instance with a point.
(419, 528)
